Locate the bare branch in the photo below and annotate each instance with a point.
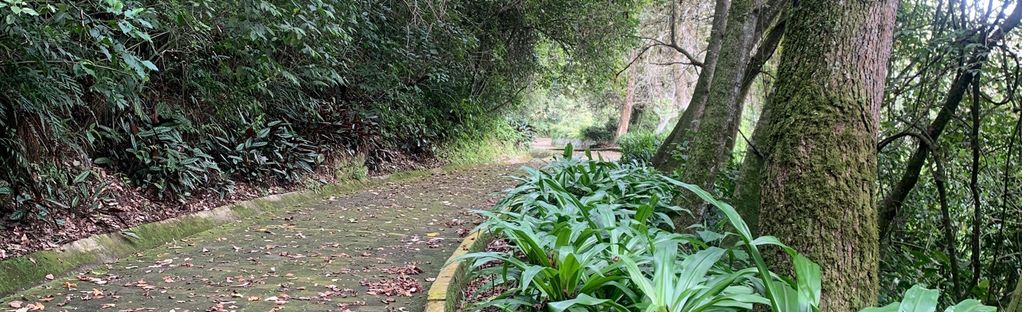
(686, 53)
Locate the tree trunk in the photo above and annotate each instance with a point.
(664, 158)
(715, 135)
(626, 108)
(817, 195)
(950, 245)
(1016, 299)
(750, 174)
(683, 73)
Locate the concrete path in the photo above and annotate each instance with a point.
(374, 250)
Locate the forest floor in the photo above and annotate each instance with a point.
(373, 250)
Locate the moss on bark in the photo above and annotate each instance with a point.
(817, 193)
(750, 175)
(711, 149)
(664, 159)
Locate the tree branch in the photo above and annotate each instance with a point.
(672, 45)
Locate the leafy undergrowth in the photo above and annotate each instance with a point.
(596, 236)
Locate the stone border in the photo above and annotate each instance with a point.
(445, 293)
(29, 270)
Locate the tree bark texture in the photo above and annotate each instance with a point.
(1016, 299)
(750, 175)
(817, 194)
(664, 158)
(714, 139)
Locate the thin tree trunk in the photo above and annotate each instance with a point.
(715, 135)
(817, 195)
(664, 159)
(977, 217)
(626, 107)
(1007, 179)
(891, 203)
(950, 244)
(1016, 299)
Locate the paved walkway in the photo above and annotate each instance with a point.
(374, 250)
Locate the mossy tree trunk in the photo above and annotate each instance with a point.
(817, 193)
(664, 158)
(750, 174)
(714, 138)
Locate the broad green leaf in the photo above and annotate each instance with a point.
(808, 278)
(581, 300)
(970, 305)
(887, 308)
(919, 299)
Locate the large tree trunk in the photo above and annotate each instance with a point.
(715, 136)
(750, 174)
(664, 158)
(817, 195)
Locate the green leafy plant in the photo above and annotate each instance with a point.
(600, 133)
(58, 191)
(920, 299)
(268, 150)
(363, 77)
(639, 146)
(156, 156)
(590, 234)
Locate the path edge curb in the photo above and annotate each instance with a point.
(445, 293)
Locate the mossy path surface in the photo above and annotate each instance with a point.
(373, 250)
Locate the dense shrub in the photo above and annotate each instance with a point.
(184, 95)
(524, 132)
(639, 146)
(157, 156)
(600, 133)
(267, 150)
